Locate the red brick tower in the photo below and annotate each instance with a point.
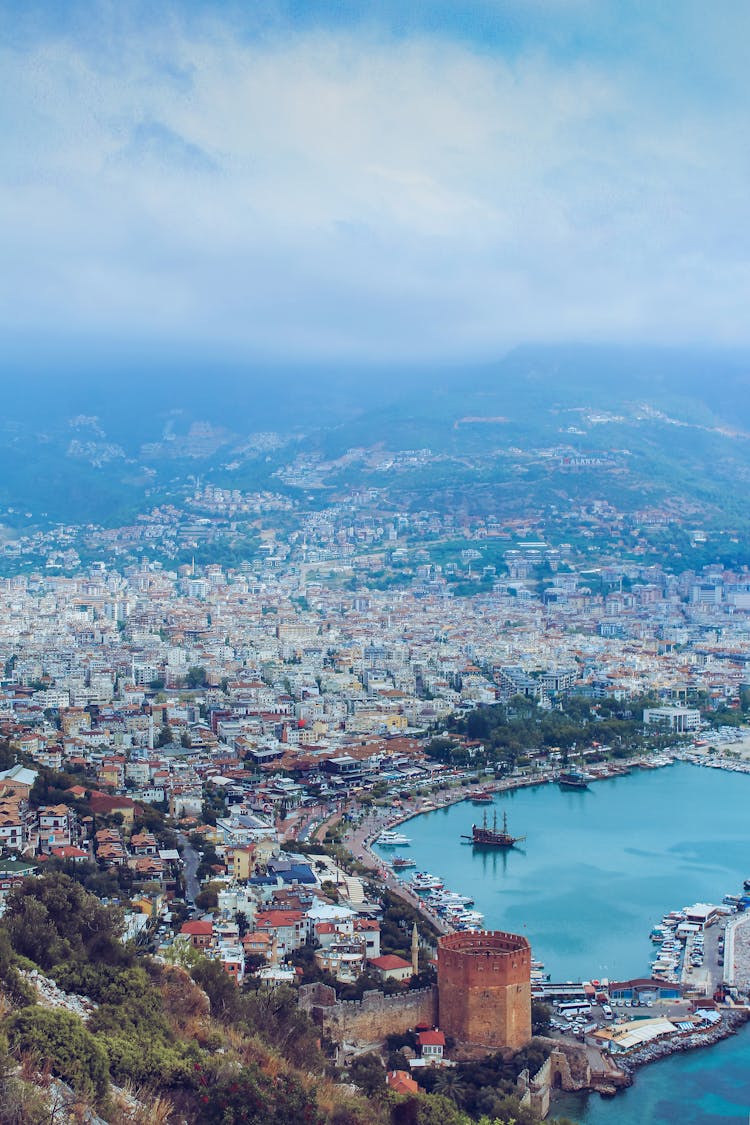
(484, 988)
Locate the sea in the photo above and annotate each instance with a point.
(597, 869)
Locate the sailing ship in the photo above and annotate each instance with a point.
(484, 836)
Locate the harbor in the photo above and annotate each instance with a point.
(600, 869)
(533, 793)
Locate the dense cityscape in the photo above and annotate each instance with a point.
(374, 563)
(216, 748)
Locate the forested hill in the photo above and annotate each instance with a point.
(105, 440)
(189, 1045)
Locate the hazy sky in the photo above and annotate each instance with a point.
(405, 180)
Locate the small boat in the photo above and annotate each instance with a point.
(483, 797)
(574, 779)
(452, 898)
(445, 903)
(423, 881)
(400, 862)
(472, 918)
(393, 839)
(746, 884)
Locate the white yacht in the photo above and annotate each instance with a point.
(393, 839)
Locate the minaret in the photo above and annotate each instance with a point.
(414, 950)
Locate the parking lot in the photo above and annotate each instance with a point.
(569, 1024)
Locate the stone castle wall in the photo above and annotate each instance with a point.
(373, 1017)
(554, 1073)
(482, 1000)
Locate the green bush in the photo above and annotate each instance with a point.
(247, 1096)
(61, 1038)
(52, 919)
(149, 1060)
(21, 1103)
(19, 991)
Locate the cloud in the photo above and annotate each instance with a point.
(333, 192)
(152, 142)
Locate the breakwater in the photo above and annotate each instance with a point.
(731, 1022)
(694, 1087)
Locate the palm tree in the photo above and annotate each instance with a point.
(450, 1083)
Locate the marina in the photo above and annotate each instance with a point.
(452, 907)
(596, 885)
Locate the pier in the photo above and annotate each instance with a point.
(737, 953)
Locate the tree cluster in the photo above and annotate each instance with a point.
(507, 731)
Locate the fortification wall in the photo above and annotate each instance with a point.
(373, 1017)
(484, 984)
(569, 1067)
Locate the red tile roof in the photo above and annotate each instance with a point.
(402, 1083)
(389, 961)
(197, 929)
(431, 1039)
(274, 918)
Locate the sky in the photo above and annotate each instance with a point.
(413, 181)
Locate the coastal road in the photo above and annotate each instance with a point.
(356, 843)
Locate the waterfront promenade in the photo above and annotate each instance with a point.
(358, 842)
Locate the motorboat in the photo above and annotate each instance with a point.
(393, 839)
(423, 881)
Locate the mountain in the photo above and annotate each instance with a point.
(109, 440)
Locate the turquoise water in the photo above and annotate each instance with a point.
(707, 1087)
(598, 868)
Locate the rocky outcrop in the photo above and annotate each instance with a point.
(731, 1021)
(52, 996)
